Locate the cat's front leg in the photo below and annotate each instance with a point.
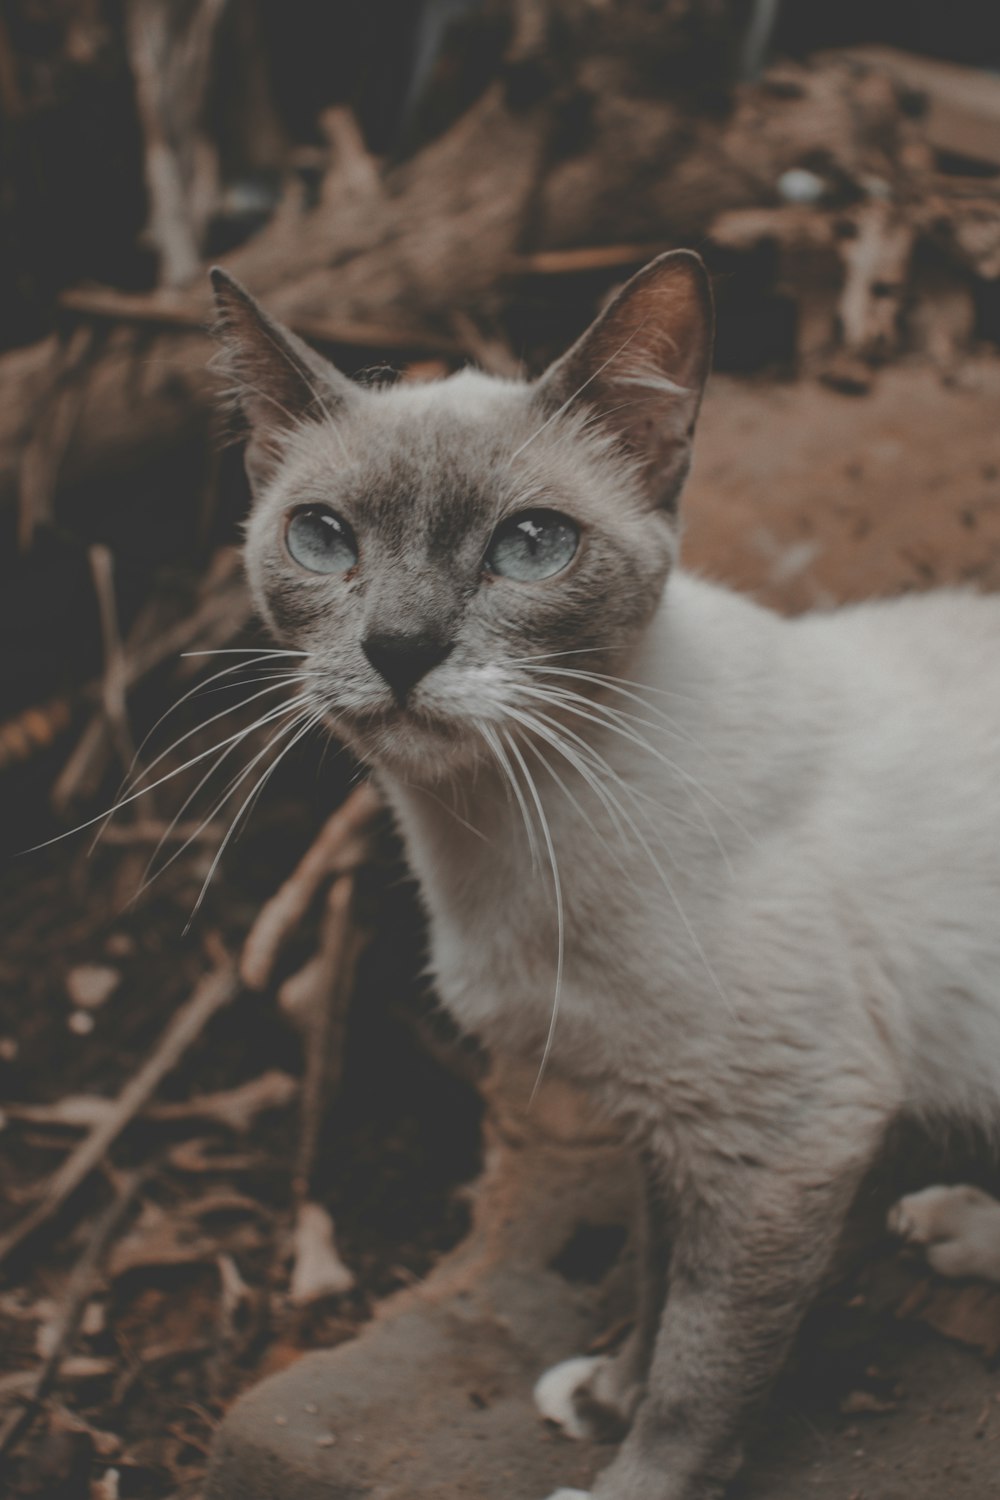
(749, 1254)
(596, 1396)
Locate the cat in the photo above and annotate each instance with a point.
(738, 875)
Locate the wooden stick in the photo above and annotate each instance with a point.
(187, 313)
(341, 846)
(318, 998)
(114, 682)
(220, 617)
(78, 1288)
(585, 258)
(215, 991)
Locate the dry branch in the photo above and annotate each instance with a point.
(215, 991)
(317, 1000)
(74, 1300)
(341, 846)
(236, 1108)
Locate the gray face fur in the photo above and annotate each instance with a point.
(424, 474)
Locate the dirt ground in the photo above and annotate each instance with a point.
(805, 497)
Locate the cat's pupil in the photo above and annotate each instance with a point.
(320, 541)
(535, 545)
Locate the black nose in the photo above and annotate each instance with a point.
(403, 659)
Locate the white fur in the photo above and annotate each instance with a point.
(790, 931)
(554, 1394)
(959, 1228)
(829, 830)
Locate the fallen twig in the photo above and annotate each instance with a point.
(223, 612)
(53, 429)
(316, 999)
(148, 310)
(342, 845)
(114, 682)
(214, 992)
(236, 1108)
(78, 1289)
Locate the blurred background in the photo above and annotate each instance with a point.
(411, 185)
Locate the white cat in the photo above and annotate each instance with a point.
(738, 875)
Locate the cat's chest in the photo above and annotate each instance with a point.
(510, 927)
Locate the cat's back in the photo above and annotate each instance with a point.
(946, 641)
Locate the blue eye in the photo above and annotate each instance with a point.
(536, 544)
(320, 541)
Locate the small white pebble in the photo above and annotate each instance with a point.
(94, 1320)
(106, 1488)
(311, 1408)
(799, 185)
(80, 1022)
(90, 985)
(326, 1441)
(280, 1421)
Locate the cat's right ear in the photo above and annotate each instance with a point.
(640, 370)
(276, 381)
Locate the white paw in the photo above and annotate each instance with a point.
(554, 1398)
(958, 1226)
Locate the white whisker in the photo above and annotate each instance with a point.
(310, 723)
(578, 392)
(503, 759)
(558, 730)
(560, 914)
(160, 781)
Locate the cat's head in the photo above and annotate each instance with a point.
(446, 551)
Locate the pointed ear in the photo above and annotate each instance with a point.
(641, 368)
(277, 381)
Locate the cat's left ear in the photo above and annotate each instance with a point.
(278, 383)
(641, 369)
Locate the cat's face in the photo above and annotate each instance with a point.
(444, 553)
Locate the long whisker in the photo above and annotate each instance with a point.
(493, 741)
(205, 724)
(588, 776)
(310, 723)
(668, 887)
(160, 781)
(616, 722)
(560, 913)
(199, 687)
(663, 723)
(622, 685)
(204, 780)
(545, 656)
(245, 651)
(578, 392)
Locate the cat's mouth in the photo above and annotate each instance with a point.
(398, 727)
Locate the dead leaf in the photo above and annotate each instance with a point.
(968, 1312)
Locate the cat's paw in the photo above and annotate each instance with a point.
(958, 1227)
(556, 1392)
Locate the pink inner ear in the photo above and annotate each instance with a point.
(278, 380)
(642, 366)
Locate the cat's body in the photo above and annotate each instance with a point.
(824, 809)
(739, 875)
